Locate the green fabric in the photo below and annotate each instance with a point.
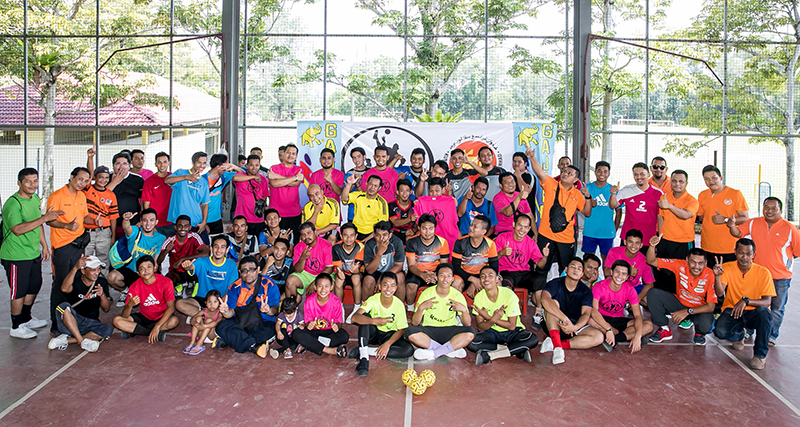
(17, 210)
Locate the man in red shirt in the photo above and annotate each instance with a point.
(185, 245)
(156, 194)
(155, 297)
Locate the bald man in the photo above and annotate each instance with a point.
(323, 212)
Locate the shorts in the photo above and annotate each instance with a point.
(215, 227)
(200, 300)
(85, 324)
(590, 245)
(566, 337)
(673, 250)
(24, 277)
(618, 323)
(348, 280)
(307, 279)
(254, 228)
(143, 321)
(360, 237)
(183, 277)
(128, 275)
(416, 280)
(530, 280)
(440, 334)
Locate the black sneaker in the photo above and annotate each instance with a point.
(218, 343)
(699, 339)
(362, 369)
(341, 351)
(482, 358)
(162, 336)
(353, 353)
(609, 348)
(124, 335)
(525, 355)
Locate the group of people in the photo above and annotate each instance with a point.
(449, 244)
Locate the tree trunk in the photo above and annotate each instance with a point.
(48, 158)
(789, 142)
(607, 100)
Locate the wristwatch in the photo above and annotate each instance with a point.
(690, 311)
(746, 300)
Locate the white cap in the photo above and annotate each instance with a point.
(94, 262)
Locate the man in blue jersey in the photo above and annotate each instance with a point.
(220, 174)
(190, 195)
(213, 272)
(600, 229)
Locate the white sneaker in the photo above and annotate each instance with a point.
(60, 342)
(558, 355)
(457, 354)
(35, 323)
(90, 345)
(208, 341)
(423, 354)
(410, 307)
(349, 319)
(122, 297)
(23, 332)
(188, 320)
(547, 345)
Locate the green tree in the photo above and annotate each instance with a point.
(761, 97)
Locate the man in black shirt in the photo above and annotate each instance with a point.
(127, 186)
(278, 267)
(78, 321)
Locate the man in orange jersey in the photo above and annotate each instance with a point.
(676, 217)
(717, 205)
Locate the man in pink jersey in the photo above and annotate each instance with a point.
(312, 256)
(284, 179)
(385, 172)
(641, 204)
(331, 180)
(442, 207)
(640, 276)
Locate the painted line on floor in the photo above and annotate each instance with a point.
(409, 397)
(42, 384)
(760, 380)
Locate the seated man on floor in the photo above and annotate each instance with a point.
(185, 245)
(567, 306)
(348, 258)
(144, 241)
(277, 265)
(240, 243)
(78, 319)
(323, 315)
(591, 269)
(246, 333)
(424, 252)
(641, 277)
(382, 321)
(499, 321)
(313, 256)
(748, 290)
(473, 252)
(385, 252)
(215, 272)
(155, 296)
(609, 299)
(693, 300)
(435, 328)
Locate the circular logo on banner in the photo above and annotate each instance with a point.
(472, 145)
(396, 140)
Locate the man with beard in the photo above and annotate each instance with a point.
(329, 179)
(313, 256)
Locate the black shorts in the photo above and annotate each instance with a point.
(184, 277)
(531, 280)
(566, 337)
(143, 321)
(24, 277)
(360, 237)
(348, 280)
(618, 323)
(215, 227)
(128, 275)
(673, 250)
(254, 228)
(200, 300)
(85, 324)
(416, 280)
(440, 334)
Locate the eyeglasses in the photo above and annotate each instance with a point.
(662, 167)
(247, 270)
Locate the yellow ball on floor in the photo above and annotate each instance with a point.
(408, 376)
(418, 386)
(428, 376)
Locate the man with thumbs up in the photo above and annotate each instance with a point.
(102, 206)
(718, 205)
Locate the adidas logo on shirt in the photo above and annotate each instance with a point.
(151, 300)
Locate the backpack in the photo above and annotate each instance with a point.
(119, 255)
(2, 226)
(558, 217)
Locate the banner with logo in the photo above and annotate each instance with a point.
(542, 138)
(312, 137)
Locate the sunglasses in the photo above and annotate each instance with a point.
(662, 167)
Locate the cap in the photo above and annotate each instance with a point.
(94, 262)
(101, 169)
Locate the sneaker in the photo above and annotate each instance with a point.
(60, 342)
(162, 336)
(423, 354)
(218, 343)
(262, 351)
(362, 369)
(661, 334)
(188, 320)
(772, 342)
(757, 363)
(274, 353)
(23, 332)
(686, 324)
(558, 355)
(288, 354)
(90, 345)
(353, 353)
(341, 351)
(349, 319)
(609, 348)
(482, 357)
(122, 297)
(748, 333)
(124, 335)
(208, 341)
(547, 345)
(699, 339)
(738, 345)
(35, 323)
(457, 354)
(410, 307)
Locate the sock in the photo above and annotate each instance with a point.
(16, 320)
(620, 337)
(363, 352)
(434, 345)
(447, 348)
(500, 352)
(555, 335)
(140, 330)
(566, 345)
(26, 312)
(666, 328)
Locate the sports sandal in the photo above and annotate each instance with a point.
(341, 351)
(188, 349)
(197, 350)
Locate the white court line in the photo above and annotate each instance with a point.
(409, 396)
(43, 383)
(760, 380)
